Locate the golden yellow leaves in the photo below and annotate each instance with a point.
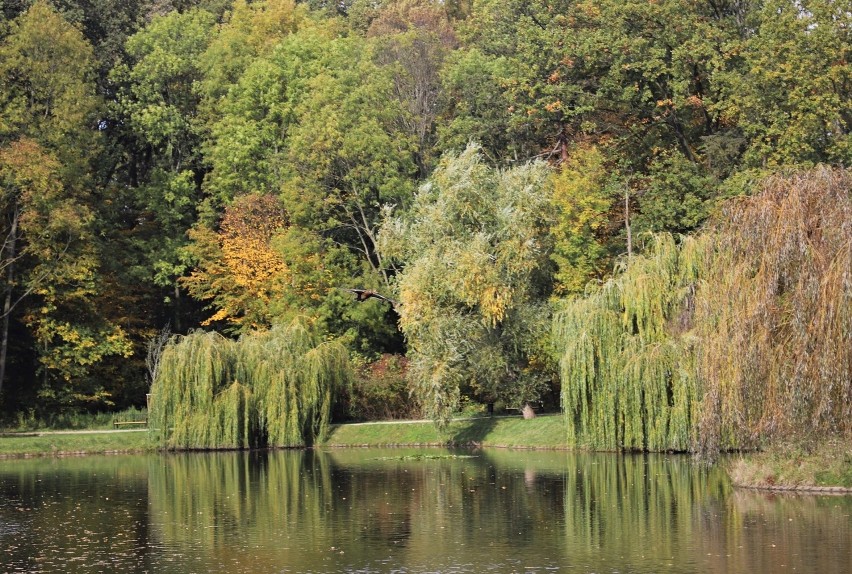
(246, 232)
(238, 268)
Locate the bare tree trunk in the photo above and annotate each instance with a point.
(528, 411)
(627, 221)
(7, 301)
(176, 308)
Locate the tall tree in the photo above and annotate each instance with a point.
(158, 101)
(413, 38)
(254, 69)
(346, 156)
(473, 294)
(48, 115)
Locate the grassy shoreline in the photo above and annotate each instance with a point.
(541, 432)
(824, 468)
(73, 443)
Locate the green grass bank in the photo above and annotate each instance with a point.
(543, 432)
(825, 466)
(68, 443)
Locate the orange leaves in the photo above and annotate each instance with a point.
(238, 269)
(246, 231)
(695, 101)
(554, 106)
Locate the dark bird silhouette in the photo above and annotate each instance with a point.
(362, 295)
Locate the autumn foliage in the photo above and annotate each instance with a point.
(239, 269)
(736, 338)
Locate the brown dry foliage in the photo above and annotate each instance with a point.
(380, 391)
(774, 314)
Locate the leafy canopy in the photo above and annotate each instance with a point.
(476, 248)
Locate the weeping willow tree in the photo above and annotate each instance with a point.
(775, 315)
(626, 382)
(273, 388)
(733, 339)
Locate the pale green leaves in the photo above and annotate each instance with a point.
(476, 247)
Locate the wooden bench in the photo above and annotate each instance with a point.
(129, 423)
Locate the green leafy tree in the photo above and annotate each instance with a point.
(106, 24)
(158, 103)
(158, 95)
(313, 120)
(248, 88)
(345, 157)
(510, 50)
(786, 84)
(676, 196)
(250, 30)
(586, 203)
(637, 79)
(47, 68)
(51, 257)
(476, 248)
(476, 106)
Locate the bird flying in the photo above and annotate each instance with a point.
(362, 295)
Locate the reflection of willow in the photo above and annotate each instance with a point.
(354, 510)
(653, 503)
(274, 509)
(232, 499)
(667, 512)
(786, 532)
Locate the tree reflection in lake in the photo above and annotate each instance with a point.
(367, 510)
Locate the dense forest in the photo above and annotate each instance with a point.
(636, 209)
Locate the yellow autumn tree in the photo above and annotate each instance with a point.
(585, 209)
(237, 268)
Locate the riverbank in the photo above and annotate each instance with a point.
(541, 432)
(825, 467)
(71, 443)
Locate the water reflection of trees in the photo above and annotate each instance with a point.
(370, 510)
(308, 510)
(772, 532)
(653, 513)
(638, 511)
(355, 509)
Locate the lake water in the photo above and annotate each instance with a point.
(403, 510)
